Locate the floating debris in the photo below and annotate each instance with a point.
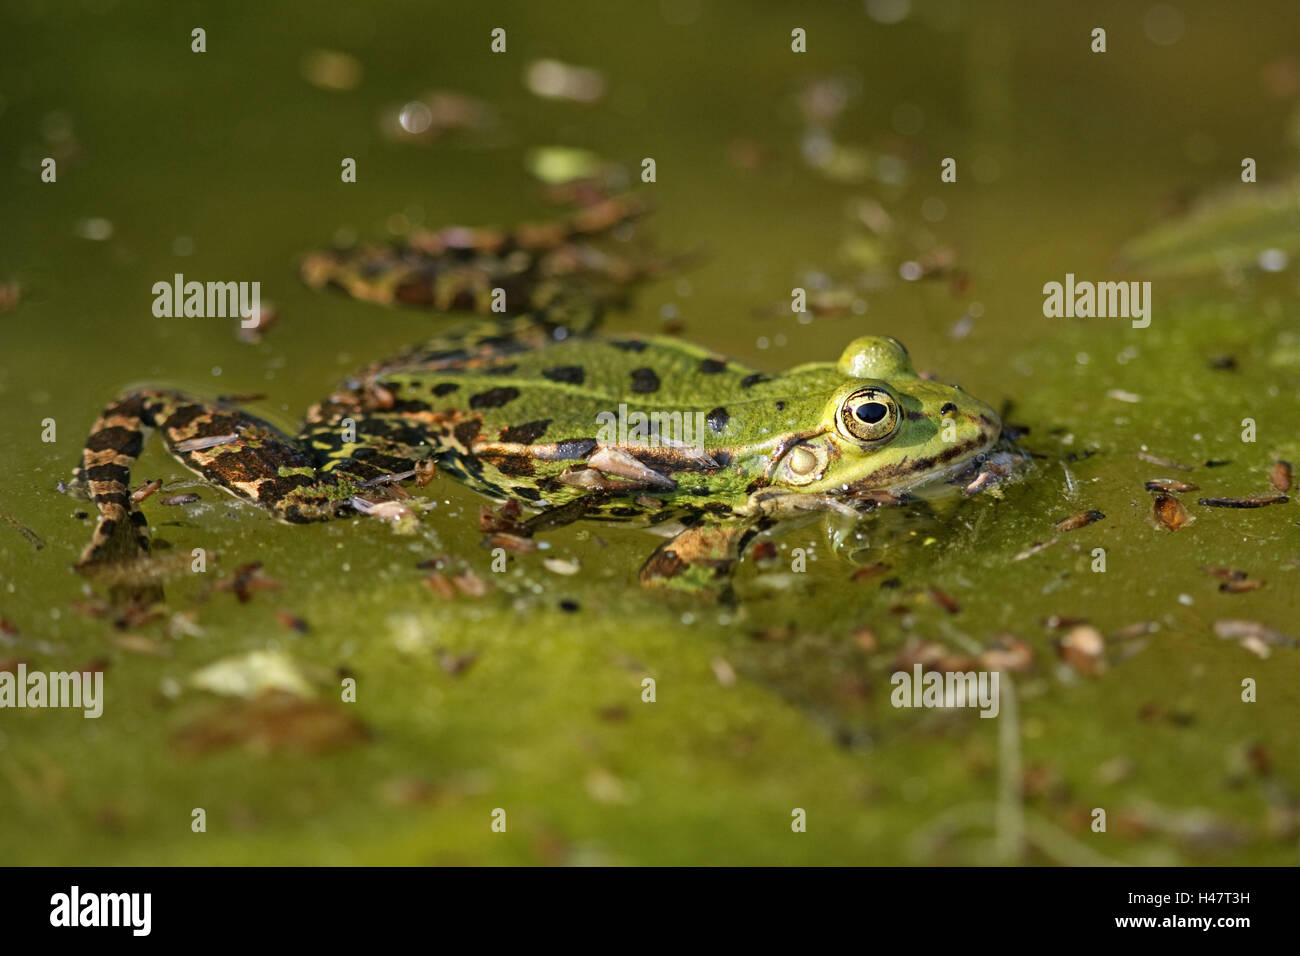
(945, 600)
(174, 500)
(555, 165)
(1034, 548)
(1163, 462)
(1075, 522)
(1259, 501)
(245, 580)
(331, 70)
(145, 490)
(561, 566)
(248, 675)
(35, 539)
(1280, 475)
(555, 80)
(292, 621)
(470, 584)
(1008, 653)
(1171, 484)
(513, 543)
(1253, 636)
(1170, 513)
(867, 572)
(1084, 649)
(723, 671)
(272, 722)
(455, 664)
(251, 328)
(1239, 586)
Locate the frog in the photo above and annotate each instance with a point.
(543, 410)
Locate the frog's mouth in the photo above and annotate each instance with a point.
(909, 473)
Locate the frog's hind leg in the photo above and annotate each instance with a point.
(228, 447)
(702, 556)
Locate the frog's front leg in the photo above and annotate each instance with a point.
(703, 555)
(228, 447)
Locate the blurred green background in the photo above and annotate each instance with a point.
(818, 170)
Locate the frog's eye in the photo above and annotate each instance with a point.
(869, 415)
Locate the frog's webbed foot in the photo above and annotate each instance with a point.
(702, 556)
(228, 447)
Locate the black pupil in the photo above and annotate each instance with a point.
(871, 412)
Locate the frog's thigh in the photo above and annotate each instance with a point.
(700, 556)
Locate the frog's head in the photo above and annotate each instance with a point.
(885, 427)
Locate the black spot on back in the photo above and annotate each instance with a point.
(493, 397)
(524, 491)
(568, 374)
(445, 388)
(526, 433)
(644, 381)
(718, 419)
(712, 366)
(751, 380)
(629, 345)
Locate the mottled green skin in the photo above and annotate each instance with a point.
(513, 412)
(527, 407)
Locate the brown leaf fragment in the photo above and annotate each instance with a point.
(272, 722)
(292, 621)
(440, 585)
(1258, 501)
(945, 600)
(1171, 484)
(1170, 513)
(470, 584)
(1083, 648)
(246, 580)
(503, 520)
(1237, 587)
(1078, 521)
(510, 542)
(145, 490)
(1280, 475)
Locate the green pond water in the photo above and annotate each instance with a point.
(529, 698)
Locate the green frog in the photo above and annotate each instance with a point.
(539, 409)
